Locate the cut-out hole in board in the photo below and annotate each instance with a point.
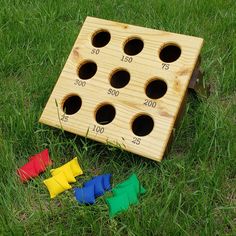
(156, 89)
(87, 70)
(170, 53)
(101, 38)
(119, 78)
(142, 125)
(133, 46)
(72, 104)
(105, 114)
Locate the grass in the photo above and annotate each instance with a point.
(192, 192)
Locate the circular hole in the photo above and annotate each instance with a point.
(156, 89)
(120, 78)
(142, 125)
(105, 114)
(87, 70)
(72, 104)
(133, 46)
(170, 53)
(101, 39)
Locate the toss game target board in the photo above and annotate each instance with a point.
(124, 85)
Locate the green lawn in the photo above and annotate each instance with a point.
(192, 192)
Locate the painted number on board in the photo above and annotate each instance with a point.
(150, 103)
(79, 82)
(165, 66)
(64, 118)
(126, 59)
(113, 92)
(95, 51)
(98, 129)
(136, 140)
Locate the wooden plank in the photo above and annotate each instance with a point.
(131, 72)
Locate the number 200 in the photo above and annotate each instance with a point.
(150, 103)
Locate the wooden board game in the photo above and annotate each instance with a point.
(124, 85)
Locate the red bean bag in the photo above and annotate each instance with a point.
(36, 165)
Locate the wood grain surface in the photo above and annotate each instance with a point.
(87, 101)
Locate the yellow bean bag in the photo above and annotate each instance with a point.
(76, 169)
(57, 184)
(66, 169)
(71, 169)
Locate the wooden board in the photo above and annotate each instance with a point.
(123, 85)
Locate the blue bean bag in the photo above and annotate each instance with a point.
(97, 184)
(107, 181)
(85, 195)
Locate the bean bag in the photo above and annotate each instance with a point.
(71, 168)
(57, 184)
(117, 204)
(66, 169)
(27, 171)
(42, 160)
(133, 180)
(76, 169)
(97, 184)
(107, 182)
(85, 195)
(36, 165)
(130, 191)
